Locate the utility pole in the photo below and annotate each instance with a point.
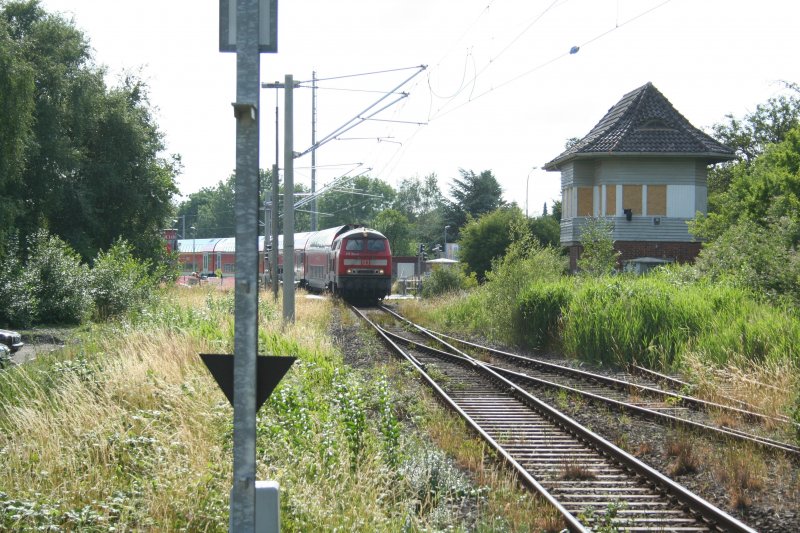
(273, 254)
(288, 202)
(313, 150)
(267, 232)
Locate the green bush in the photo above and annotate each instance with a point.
(57, 280)
(538, 313)
(18, 309)
(444, 280)
(491, 309)
(761, 259)
(598, 257)
(118, 281)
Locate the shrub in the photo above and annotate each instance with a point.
(58, 280)
(19, 304)
(598, 257)
(762, 259)
(526, 263)
(118, 281)
(444, 280)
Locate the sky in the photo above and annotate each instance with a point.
(500, 90)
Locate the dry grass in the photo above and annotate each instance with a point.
(574, 471)
(643, 448)
(73, 442)
(684, 460)
(765, 386)
(742, 472)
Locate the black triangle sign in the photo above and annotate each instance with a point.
(269, 372)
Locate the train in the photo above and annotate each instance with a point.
(351, 261)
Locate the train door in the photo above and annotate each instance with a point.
(205, 262)
(218, 263)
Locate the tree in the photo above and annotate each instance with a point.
(357, 202)
(556, 211)
(473, 195)
(763, 191)
(546, 230)
(395, 226)
(487, 238)
(749, 136)
(598, 257)
(89, 157)
(16, 116)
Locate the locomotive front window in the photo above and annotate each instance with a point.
(376, 245)
(355, 245)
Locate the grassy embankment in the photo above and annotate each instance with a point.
(126, 430)
(711, 333)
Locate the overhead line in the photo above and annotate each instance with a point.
(364, 74)
(546, 63)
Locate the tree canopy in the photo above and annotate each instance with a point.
(487, 238)
(753, 226)
(473, 195)
(751, 135)
(77, 158)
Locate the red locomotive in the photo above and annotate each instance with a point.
(354, 262)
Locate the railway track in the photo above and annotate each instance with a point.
(591, 482)
(620, 393)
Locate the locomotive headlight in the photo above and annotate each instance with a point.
(380, 271)
(349, 270)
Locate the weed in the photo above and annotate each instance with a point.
(388, 424)
(572, 470)
(562, 399)
(604, 523)
(741, 471)
(684, 460)
(643, 448)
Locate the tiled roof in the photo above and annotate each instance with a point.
(645, 122)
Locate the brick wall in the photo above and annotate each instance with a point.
(680, 252)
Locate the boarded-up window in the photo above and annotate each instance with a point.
(611, 200)
(585, 202)
(657, 200)
(632, 198)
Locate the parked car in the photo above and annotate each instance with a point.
(12, 339)
(5, 355)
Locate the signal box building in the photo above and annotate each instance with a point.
(644, 168)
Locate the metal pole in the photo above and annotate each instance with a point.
(445, 241)
(273, 253)
(288, 201)
(267, 206)
(275, 207)
(194, 257)
(313, 150)
(242, 512)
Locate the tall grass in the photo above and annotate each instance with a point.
(650, 320)
(127, 431)
(655, 320)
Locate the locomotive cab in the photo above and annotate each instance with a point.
(363, 265)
